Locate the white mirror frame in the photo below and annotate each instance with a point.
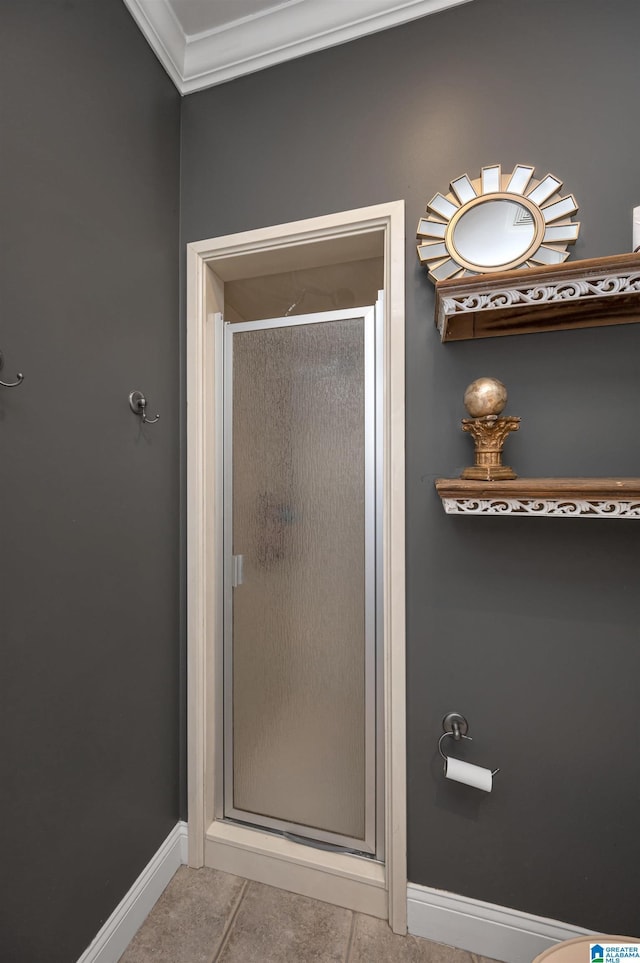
(551, 214)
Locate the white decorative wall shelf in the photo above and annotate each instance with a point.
(576, 294)
(562, 497)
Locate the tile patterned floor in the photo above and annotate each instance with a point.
(205, 916)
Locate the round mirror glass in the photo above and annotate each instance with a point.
(496, 223)
(494, 232)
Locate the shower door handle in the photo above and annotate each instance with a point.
(237, 570)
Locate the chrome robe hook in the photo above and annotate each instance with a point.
(10, 384)
(138, 405)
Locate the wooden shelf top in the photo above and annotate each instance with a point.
(542, 487)
(578, 497)
(575, 294)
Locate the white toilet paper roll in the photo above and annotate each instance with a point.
(470, 775)
(636, 229)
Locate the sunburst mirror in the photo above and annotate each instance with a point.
(495, 223)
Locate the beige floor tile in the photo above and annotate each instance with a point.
(188, 922)
(273, 926)
(374, 942)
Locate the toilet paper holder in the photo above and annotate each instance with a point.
(456, 726)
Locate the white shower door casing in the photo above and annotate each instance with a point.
(302, 599)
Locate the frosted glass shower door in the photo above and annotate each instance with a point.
(300, 601)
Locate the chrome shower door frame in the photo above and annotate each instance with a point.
(373, 843)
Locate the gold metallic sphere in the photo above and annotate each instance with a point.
(485, 396)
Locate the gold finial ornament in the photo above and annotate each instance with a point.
(485, 399)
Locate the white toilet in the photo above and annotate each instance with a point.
(577, 950)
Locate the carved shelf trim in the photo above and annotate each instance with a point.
(562, 497)
(576, 294)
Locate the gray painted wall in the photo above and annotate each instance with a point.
(89, 576)
(529, 627)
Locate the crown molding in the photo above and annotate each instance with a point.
(281, 33)
(158, 23)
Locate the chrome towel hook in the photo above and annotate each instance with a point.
(138, 405)
(10, 384)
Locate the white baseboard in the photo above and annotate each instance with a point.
(494, 931)
(130, 914)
